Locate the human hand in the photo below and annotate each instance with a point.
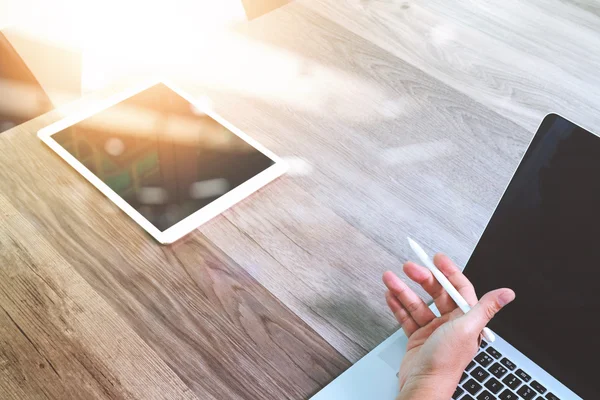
(439, 348)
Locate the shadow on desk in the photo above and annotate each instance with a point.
(356, 319)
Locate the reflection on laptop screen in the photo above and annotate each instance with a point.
(543, 241)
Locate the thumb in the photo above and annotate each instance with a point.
(492, 302)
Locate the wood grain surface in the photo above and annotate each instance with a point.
(59, 338)
(220, 333)
(520, 58)
(390, 152)
(397, 117)
(412, 116)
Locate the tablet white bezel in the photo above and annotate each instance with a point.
(196, 219)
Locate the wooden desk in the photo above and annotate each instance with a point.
(400, 118)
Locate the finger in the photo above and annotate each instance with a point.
(456, 277)
(425, 278)
(402, 316)
(411, 302)
(475, 320)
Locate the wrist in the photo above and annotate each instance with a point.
(428, 388)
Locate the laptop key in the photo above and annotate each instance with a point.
(485, 395)
(480, 374)
(470, 366)
(512, 381)
(463, 377)
(538, 387)
(508, 395)
(472, 386)
(494, 353)
(526, 392)
(508, 364)
(551, 396)
(494, 385)
(484, 359)
(457, 393)
(483, 344)
(497, 370)
(467, 397)
(523, 375)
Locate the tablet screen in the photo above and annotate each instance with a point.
(542, 241)
(161, 155)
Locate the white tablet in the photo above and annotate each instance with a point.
(167, 161)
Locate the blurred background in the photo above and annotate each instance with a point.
(51, 53)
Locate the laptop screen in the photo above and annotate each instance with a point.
(543, 241)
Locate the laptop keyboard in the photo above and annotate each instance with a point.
(490, 376)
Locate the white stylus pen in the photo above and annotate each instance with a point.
(441, 278)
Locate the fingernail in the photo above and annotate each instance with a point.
(506, 297)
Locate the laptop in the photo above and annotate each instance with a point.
(543, 242)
